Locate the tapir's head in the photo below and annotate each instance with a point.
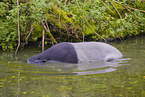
(36, 60)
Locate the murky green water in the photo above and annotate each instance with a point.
(124, 78)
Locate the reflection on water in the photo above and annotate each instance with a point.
(83, 68)
(10, 64)
(96, 71)
(121, 78)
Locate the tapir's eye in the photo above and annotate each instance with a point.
(38, 59)
(43, 60)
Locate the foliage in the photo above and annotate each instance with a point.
(70, 20)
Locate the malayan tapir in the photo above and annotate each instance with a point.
(77, 53)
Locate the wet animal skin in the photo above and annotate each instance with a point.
(77, 53)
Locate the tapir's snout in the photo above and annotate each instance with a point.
(36, 61)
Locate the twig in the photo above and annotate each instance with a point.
(60, 24)
(83, 30)
(134, 24)
(107, 6)
(29, 33)
(95, 31)
(43, 34)
(46, 24)
(18, 29)
(116, 9)
(50, 35)
(135, 9)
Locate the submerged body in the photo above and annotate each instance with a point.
(77, 53)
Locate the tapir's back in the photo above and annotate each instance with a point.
(95, 51)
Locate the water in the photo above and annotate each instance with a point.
(121, 78)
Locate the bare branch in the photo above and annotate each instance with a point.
(30, 33)
(107, 6)
(90, 25)
(43, 34)
(95, 31)
(135, 9)
(18, 29)
(127, 8)
(50, 35)
(116, 9)
(134, 24)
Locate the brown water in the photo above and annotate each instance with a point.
(124, 78)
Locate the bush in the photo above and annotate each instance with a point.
(70, 20)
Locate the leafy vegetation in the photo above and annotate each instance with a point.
(69, 20)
